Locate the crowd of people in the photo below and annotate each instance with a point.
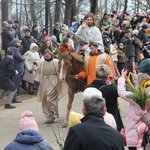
(111, 47)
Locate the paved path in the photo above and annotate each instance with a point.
(9, 119)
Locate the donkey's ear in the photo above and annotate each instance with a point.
(77, 57)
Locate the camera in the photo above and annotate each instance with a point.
(129, 66)
(35, 63)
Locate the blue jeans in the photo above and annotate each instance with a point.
(16, 81)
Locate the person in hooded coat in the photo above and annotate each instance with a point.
(44, 34)
(31, 63)
(29, 137)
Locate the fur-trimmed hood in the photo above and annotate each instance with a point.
(33, 45)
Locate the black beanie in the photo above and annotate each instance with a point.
(34, 26)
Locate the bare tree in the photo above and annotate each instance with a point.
(5, 10)
(33, 14)
(68, 6)
(93, 6)
(17, 12)
(57, 11)
(47, 8)
(106, 4)
(73, 10)
(26, 13)
(125, 5)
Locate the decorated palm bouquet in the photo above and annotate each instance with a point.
(55, 53)
(140, 95)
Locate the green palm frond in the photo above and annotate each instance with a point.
(139, 97)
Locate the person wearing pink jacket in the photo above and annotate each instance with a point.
(133, 117)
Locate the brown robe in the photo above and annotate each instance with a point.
(47, 76)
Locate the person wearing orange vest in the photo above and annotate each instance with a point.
(92, 61)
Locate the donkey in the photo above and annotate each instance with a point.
(70, 64)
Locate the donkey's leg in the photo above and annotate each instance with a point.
(71, 93)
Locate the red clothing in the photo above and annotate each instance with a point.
(43, 36)
(64, 48)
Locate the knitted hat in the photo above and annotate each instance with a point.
(91, 93)
(10, 22)
(24, 28)
(16, 21)
(34, 26)
(4, 23)
(15, 40)
(102, 71)
(28, 121)
(121, 44)
(27, 30)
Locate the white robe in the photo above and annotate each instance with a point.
(88, 35)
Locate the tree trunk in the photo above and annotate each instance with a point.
(33, 16)
(106, 6)
(117, 5)
(26, 13)
(0, 27)
(125, 5)
(58, 6)
(47, 8)
(17, 12)
(51, 23)
(68, 6)
(20, 14)
(73, 10)
(138, 5)
(93, 6)
(4, 10)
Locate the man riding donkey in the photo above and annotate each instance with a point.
(90, 37)
(87, 33)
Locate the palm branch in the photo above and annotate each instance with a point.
(139, 96)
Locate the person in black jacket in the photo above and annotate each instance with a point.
(7, 86)
(143, 36)
(35, 35)
(26, 41)
(18, 65)
(130, 48)
(93, 133)
(6, 37)
(109, 92)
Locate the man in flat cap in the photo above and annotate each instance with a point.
(93, 133)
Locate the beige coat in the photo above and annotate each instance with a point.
(47, 76)
(114, 52)
(32, 56)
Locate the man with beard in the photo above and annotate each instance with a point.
(92, 61)
(88, 32)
